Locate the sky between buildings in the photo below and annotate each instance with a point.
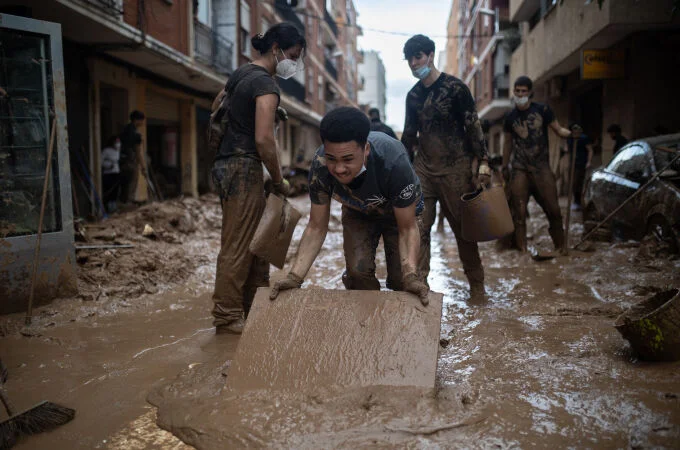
(428, 17)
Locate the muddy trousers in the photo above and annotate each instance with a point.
(447, 189)
(239, 273)
(361, 235)
(539, 183)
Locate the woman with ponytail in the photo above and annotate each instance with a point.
(249, 142)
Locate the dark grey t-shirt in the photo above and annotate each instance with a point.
(389, 180)
(529, 131)
(244, 86)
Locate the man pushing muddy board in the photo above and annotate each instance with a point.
(319, 337)
(370, 174)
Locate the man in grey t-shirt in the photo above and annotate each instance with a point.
(372, 177)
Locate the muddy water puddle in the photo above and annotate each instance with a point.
(537, 364)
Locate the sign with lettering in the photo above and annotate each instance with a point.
(603, 64)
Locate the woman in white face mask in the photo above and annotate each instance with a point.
(249, 142)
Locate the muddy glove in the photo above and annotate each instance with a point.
(282, 187)
(413, 285)
(483, 176)
(291, 281)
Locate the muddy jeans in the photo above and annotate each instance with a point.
(361, 234)
(240, 184)
(447, 189)
(541, 184)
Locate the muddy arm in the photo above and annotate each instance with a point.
(409, 238)
(265, 142)
(312, 239)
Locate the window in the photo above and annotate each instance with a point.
(632, 163)
(203, 13)
(245, 29)
(25, 134)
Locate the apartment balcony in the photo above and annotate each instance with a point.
(329, 64)
(289, 15)
(501, 86)
(212, 49)
(112, 7)
(500, 103)
(331, 23)
(293, 88)
(330, 106)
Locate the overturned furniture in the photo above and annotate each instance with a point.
(314, 337)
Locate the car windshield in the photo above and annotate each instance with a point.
(664, 153)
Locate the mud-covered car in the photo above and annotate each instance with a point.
(656, 209)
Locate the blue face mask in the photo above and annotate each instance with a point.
(422, 72)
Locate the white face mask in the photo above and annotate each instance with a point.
(521, 101)
(285, 68)
(363, 169)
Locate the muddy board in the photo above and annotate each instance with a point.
(317, 337)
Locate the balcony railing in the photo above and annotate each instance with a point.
(212, 49)
(501, 86)
(330, 67)
(113, 7)
(331, 23)
(293, 88)
(289, 15)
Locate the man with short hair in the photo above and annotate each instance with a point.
(131, 156)
(371, 176)
(441, 119)
(377, 125)
(614, 132)
(526, 141)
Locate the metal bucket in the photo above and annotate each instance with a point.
(485, 215)
(275, 231)
(653, 327)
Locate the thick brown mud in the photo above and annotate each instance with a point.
(538, 364)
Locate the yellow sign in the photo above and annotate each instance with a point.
(603, 64)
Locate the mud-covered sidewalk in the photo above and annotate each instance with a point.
(538, 364)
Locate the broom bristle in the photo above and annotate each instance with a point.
(42, 417)
(8, 434)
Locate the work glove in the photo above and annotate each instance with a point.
(291, 281)
(413, 285)
(483, 178)
(282, 187)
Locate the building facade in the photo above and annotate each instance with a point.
(374, 88)
(169, 58)
(482, 57)
(636, 44)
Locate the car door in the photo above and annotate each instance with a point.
(630, 168)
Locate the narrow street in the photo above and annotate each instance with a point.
(539, 364)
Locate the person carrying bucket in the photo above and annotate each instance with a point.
(441, 119)
(525, 154)
(370, 174)
(252, 98)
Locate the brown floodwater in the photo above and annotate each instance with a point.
(538, 364)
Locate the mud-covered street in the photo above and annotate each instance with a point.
(537, 365)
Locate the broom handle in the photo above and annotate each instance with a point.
(5, 401)
(29, 311)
